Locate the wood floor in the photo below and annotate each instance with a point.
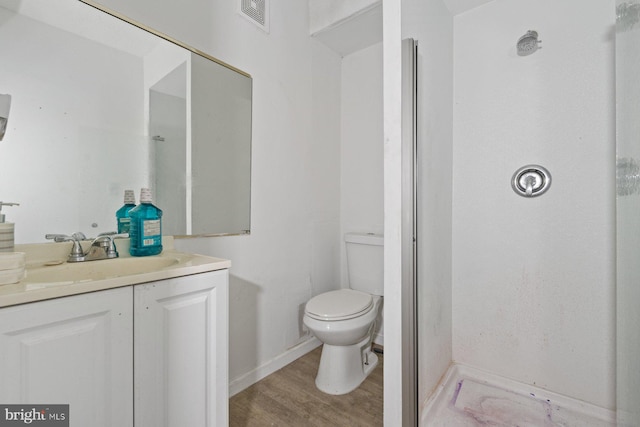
(289, 397)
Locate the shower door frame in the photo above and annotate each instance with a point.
(627, 66)
(409, 234)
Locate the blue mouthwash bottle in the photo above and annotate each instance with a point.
(122, 214)
(145, 232)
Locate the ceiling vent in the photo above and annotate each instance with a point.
(256, 11)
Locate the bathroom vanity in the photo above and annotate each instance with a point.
(125, 342)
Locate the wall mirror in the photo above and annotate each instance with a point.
(99, 105)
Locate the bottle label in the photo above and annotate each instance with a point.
(124, 225)
(151, 233)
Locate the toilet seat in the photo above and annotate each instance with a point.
(342, 304)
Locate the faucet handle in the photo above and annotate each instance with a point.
(107, 233)
(58, 237)
(76, 254)
(79, 235)
(109, 236)
(106, 241)
(113, 234)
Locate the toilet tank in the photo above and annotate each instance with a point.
(365, 262)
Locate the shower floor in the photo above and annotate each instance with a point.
(468, 397)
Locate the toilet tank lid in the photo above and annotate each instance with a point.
(365, 238)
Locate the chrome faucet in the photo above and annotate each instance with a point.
(102, 247)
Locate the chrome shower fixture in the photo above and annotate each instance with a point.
(627, 176)
(528, 43)
(5, 106)
(627, 16)
(531, 181)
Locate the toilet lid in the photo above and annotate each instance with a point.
(339, 305)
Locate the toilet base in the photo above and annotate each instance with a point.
(343, 368)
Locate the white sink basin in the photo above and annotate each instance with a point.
(70, 272)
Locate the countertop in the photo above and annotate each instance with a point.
(42, 256)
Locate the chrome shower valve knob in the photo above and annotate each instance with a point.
(531, 181)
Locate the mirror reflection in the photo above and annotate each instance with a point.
(99, 106)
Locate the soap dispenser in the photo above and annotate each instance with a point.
(6, 230)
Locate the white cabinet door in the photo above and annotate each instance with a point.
(75, 350)
(180, 351)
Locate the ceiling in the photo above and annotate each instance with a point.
(457, 7)
(358, 31)
(362, 28)
(81, 19)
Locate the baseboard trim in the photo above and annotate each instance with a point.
(252, 377)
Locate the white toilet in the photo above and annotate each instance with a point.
(344, 320)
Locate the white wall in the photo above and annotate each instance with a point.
(294, 246)
(533, 279)
(431, 24)
(361, 153)
(392, 108)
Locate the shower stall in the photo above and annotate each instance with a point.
(527, 307)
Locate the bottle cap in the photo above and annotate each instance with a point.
(145, 195)
(129, 197)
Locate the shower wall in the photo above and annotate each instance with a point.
(533, 279)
